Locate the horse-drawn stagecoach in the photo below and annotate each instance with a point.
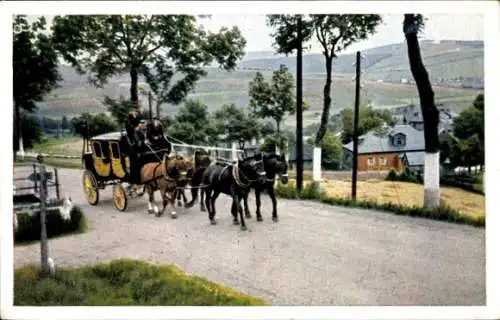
(109, 159)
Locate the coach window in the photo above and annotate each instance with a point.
(114, 150)
(97, 149)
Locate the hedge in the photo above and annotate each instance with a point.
(28, 229)
(443, 212)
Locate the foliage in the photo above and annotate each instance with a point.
(468, 126)
(35, 64)
(88, 125)
(119, 109)
(274, 100)
(193, 125)
(463, 181)
(272, 141)
(369, 119)
(123, 282)
(236, 125)
(29, 226)
(441, 212)
(334, 33)
(332, 151)
(405, 176)
(156, 46)
(31, 132)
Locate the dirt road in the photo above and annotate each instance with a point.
(315, 255)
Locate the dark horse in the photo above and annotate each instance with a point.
(273, 164)
(232, 179)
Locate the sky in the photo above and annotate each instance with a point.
(438, 27)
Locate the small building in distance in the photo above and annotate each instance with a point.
(398, 147)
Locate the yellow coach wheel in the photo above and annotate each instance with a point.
(120, 198)
(90, 188)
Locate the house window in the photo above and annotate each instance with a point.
(382, 161)
(371, 161)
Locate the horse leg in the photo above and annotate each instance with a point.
(151, 198)
(257, 204)
(270, 190)
(242, 217)
(173, 214)
(202, 199)
(235, 209)
(214, 197)
(179, 193)
(184, 199)
(245, 203)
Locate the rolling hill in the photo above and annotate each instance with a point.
(455, 67)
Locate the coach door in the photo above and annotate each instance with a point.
(116, 159)
(102, 165)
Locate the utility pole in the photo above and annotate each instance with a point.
(44, 250)
(299, 148)
(356, 124)
(150, 104)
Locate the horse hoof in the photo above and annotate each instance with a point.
(203, 209)
(158, 214)
(275, 219)
(244, 228)
(179, 204)
(213, 222)
(186, 205)
(173, 216)
(150, 211)
(236, 222)
(259, 218)
(248, 215)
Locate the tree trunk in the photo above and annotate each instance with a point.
(431, 121)
(327, 101)
(17, 129)
(134, 77)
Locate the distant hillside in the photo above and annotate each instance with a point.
(447, 62)
(450, 63)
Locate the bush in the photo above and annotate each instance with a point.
(29, 225)
(466, 182)
(123, 282)
(443, 212)
(405, 176)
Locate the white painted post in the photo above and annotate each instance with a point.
(317, 164)
(234, 155)
(254, 141)
(21, 148)
(431, 179)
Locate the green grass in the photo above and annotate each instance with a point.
(123, 282)
(443, 212)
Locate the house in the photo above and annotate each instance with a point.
(308, 151)
(398, 147)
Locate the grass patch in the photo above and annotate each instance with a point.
(123, 282)
(28, 230)
(52, 162)
(328, 195)
(71, 146)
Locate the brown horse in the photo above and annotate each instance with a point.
(167, 176)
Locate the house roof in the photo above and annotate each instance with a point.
(415, 158)
(379, 143)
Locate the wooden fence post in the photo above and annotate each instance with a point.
(44, 254)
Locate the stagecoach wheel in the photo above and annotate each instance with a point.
(120, 197)
(90, 188)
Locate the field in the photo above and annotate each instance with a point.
(409, 194)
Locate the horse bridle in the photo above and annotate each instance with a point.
(237, 171)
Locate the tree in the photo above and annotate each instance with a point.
(119, 110)
(334, 33)
(468, 126)
(236, 125)
(369, 119)
(65, 123)
(157, 47)
(332, 150)
(88, 125)
(35, 70)
(192, 124)
(273, 100)
(412, 24)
